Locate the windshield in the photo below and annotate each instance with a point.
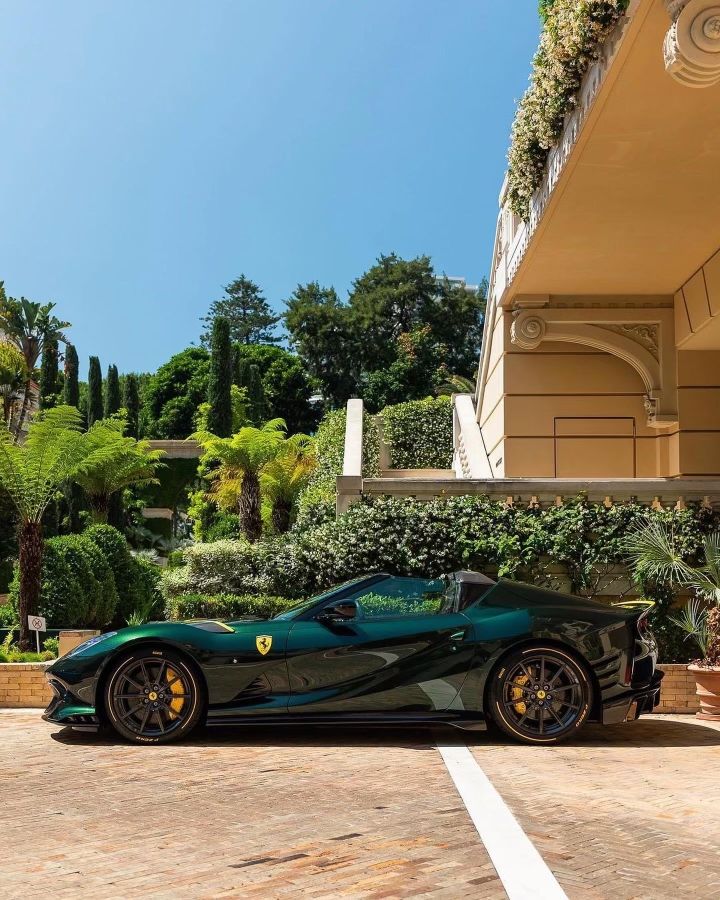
(303, 605)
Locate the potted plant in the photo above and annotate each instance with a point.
(654, 554)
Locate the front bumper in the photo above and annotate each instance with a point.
(634, 703)
(66, 709)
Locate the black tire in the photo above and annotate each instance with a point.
(153, 696)
(540, 695)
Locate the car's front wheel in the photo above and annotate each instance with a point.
(540, 695)
(153, 696)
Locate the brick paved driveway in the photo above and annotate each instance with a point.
(627, 812)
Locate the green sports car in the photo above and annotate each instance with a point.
(463, 649)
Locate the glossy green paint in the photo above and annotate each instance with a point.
(403, 666)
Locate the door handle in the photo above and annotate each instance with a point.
(456, 638)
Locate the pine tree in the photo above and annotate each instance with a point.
(49, 375)
(95, 394)
(221, 378)
(131, 402)
(248, 313)
(112, 392)
(71, 389)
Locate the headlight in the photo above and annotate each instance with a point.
(90, 643)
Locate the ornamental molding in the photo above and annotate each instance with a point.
(692, 43)
(646, 335)
(639, 344)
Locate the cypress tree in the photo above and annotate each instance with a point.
(131, 402)
(248, 376)
(95, 397)
(49, 375)
(221, 378)
(112, 392)
(71, 389)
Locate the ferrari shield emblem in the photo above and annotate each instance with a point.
(263, 642)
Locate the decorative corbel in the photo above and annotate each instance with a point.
(692, 43)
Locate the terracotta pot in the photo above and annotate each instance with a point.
(707, 687)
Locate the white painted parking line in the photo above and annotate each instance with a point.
(523, 872)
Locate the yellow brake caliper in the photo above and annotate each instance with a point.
(519, 707)
(176, 687)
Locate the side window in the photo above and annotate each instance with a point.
(403, 597)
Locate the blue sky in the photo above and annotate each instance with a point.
(153, 151)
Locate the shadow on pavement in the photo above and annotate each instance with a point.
(643, 733)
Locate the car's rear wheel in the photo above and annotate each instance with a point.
(540, 695)
(153, 696)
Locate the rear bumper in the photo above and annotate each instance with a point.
(634, 703)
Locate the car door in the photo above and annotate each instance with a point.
(407, 650)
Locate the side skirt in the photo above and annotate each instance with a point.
(377, 719)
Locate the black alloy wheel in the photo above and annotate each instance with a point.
(153, 696)
(540, 695)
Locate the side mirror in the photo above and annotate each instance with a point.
(340, 613)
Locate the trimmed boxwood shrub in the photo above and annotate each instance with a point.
(77, 584)
(226, 606)
(136, 580)
(420, 433)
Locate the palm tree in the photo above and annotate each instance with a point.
(654, 554)
(54, 452)
(284, 477)
(234, 465)
(13, 373)
(125, 461)
(29, 326)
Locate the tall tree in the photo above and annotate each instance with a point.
(323, 332)
(221, 379)
(95, 393)
(131, 404)
(112, 392)
(49, 375)
(248, 313)
(29, 325)
(247, 375)
(71, 387)
(53, 453)
(172, 396)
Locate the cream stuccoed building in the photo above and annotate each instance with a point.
(600, 367)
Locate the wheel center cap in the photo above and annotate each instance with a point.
(541, 695)
(152, 695)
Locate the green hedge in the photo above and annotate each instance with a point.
(226, 606)
(420, 433)
(316, 504)
(91, 580)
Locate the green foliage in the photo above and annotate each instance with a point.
(381, 605)
(52, 645)
(220, 380)
(119, 462)
(78, 589)
(134, 582)
(420, 433)
(247, 312)
(174, 393)
(95, 409)
(13, 375)
(49, 375)
(71, 386)
(572, 37)
(579, 546)
(226, 606)
(112, 401)
(11, 653)
(316, 503)
(403, 332)
(284, 389)
(131, 405)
